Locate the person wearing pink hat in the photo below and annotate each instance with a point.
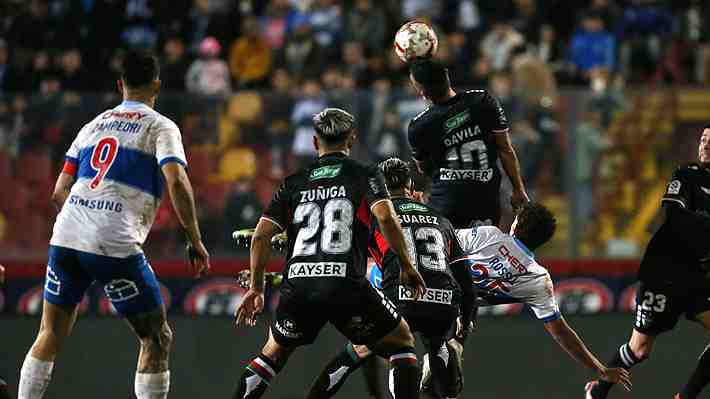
(209, 74)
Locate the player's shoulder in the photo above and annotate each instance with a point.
(419, 120)
(689, 169)
(163, 123)
(479, 98)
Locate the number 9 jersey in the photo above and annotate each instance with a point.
(454, 141)
(116, 160)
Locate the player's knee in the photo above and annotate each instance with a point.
(158, 341)
(642, 350)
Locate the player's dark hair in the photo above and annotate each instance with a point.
(333, 125)
(706, 126)
(536, 225)
(432, 76)
(396, 173)
(139, 68)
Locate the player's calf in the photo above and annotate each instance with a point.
(627, 356)
(36, 373)
(337, 371)
(404, 373)
(262, 369)
(152, 379)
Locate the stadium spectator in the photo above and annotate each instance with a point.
(547, 48)
(139, 27)
(276, 23)
(174, 65)
(592, 49)
(366, 23)
(73, 76)
(243, 209)
(209, 75)
(201, 23)
(354, 61)
(643, 27)
(8, 77)
(279, 101)
(301, 55)
(411, 9)
(311, 102)
(390, 140)
(498, 44)
(326, 19)
(250, 57)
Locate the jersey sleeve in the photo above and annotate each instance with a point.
(168, 145)
(278, 210)
(494, 118)
(71, 157)
(678, 189)
(542, 301)
(376, 190)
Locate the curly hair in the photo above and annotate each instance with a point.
(536, 225)
(396, 172)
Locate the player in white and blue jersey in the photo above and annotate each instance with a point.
(107, 195)
(504, 270)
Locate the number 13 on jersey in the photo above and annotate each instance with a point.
(102, 158)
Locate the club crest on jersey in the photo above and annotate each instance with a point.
(674, 187)
(412, 207)
(456, 121)
(325, 172)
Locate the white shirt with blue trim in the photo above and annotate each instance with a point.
(505, 271)
(119, 183)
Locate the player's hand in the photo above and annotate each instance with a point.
(251, 306)
(412, 278)
(518, 199)
(243, 237)
(199, 259)
(617, 376)
(463, 330)
(2, 274)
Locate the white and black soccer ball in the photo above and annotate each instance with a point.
(415, 40)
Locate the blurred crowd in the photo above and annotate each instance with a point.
(213, 47)
(256, 70)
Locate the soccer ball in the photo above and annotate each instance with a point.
(415, 40)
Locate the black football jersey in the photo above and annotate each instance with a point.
(431, 242)
(690, 188)
(455, 141)
(325, 210)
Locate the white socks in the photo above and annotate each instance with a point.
(152, 386)
(34, 378)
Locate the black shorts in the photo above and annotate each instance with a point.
(431, 319)
(359, 312)
(661, 303)
(465, 209)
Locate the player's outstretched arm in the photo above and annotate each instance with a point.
(568, 339)
(392, 230)
(260, 252)
(509, 159)
(61, 189)
(183, 199)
